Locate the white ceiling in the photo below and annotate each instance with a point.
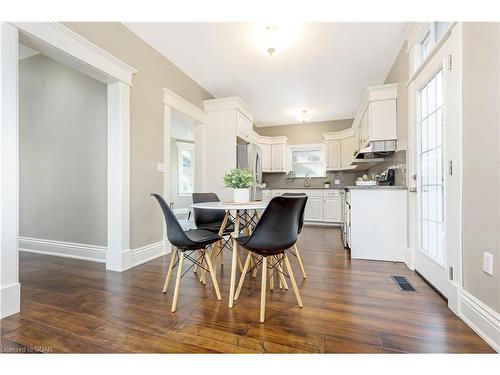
(325, 69)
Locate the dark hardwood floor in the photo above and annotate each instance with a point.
(349, 307)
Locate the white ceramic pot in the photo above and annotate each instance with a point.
(241, 195)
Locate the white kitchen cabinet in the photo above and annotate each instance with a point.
(347, 148)
(244, 127)
(278, 157)
(273, 153)
(333, 155)
(314, 209)
(332, 206)
(266, 157)
(323, 205)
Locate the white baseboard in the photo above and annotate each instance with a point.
(147, 253)
(322, 224)
(408, 258)
(481, 318)
(181, 211)
(63, 249)
(10, 300)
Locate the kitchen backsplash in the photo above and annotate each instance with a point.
(347, 178)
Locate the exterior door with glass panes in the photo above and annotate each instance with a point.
(437, 141)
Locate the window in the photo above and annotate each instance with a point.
(307, 160)
(433, 33)
(431, 167)
(185, 167)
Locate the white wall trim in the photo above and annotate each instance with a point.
(10, 301)
(118, 177)
(9, 170)
(181, 211)
(74, 45)
(481, 318)
(147, 253)
(230, 102)
(63, 249)
(182, 105)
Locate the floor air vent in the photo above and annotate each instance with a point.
(403, 284)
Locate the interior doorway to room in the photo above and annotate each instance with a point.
(62, 159)
(182, 163)
(437, 168)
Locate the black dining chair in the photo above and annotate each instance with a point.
(275, 232)
(185, 243)
(295, 250)
(213, 220)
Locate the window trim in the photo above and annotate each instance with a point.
(182, 146)
(308, 147)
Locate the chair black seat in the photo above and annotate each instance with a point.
(215, 227)
(193, 239)
(277, 229)
(201, 238)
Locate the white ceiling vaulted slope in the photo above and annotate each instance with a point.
(324, 69)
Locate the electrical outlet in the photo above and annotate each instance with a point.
(337, 181)
(160, 167)
(488, 263)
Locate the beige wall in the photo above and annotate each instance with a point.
(154, 73)
(304, 133)
(399, 74)
(481, 159)
(63, 147)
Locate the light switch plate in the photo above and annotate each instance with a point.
(488, 263)
(161, 167)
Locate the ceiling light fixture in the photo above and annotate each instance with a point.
(303, 116)
(274, 39)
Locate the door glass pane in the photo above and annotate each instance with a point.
(431, 168)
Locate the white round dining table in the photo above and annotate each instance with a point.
(240, 210)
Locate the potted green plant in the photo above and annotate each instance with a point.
(327, 183)
(240, 180)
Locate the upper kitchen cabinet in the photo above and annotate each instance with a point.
(340, 149)
(244, 127)
(377, 118)
(273, 153)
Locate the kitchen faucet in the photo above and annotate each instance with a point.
(307, 180)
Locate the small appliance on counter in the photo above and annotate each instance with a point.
(387, 177)
(365, 181)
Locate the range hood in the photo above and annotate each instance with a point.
(376, 150)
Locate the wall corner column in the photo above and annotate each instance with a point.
(118, 255)
(10, 289)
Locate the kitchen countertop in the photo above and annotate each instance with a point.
(376, 187)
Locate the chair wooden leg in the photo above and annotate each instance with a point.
(178, 280)
(263, 290)
(271, 278)
(282, 277)
(221, 232)
(299, 259)
(243, 274)
(292, 280)
(254, 273)
(170, 267)
(233, 273)
(212, 275)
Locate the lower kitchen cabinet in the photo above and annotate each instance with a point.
(314, 209)
(332, 209)
(323, 205)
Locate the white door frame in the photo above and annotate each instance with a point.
(63, 45)
(453, 241)
(172, 101)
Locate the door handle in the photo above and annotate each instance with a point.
(412, 190)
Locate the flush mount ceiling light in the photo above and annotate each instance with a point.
(274, 39)
(303, 116)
